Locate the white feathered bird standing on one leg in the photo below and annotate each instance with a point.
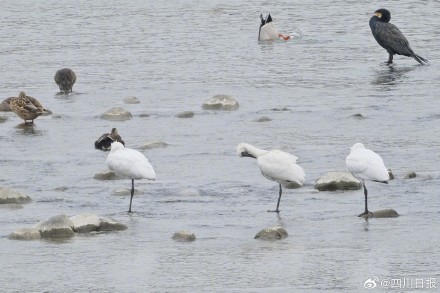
(275, 165)
(365, 164)
(128, 163)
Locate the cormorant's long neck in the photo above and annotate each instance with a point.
(373, 21)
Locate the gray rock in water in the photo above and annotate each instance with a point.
(3, 119)
(85, 222)
(358, 116)
(189, 192)
(336, 180)
(131, 100)
(116, 114)
(410, 175)
(106, 175)
(185, 114)
(107, 224)
(153, 145)
(221, 102)
(387, 213)
(272, 233)
(56, 226)
(124, 192)
(9, 195)
(25, 234)
(263, 119)
(184, 236)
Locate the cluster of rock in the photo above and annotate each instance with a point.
(221, 102)
(337, 180)
(184, 236)
(272, 233)
(61, 226)
(12, 196)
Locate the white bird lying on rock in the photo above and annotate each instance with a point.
(268, 30)
(130, 164)
(365, 164)
(275, 165)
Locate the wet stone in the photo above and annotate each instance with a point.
(263, 119)
(107, 224)
(387, 213)
(25, 234)
(184, 236)
(272, 233)
(185, 114)
(116, 114)
(56, 226)
(12, 196)
(131, 100)
(221, 102)
(153, 145)
(106, 175)
(85, 222)
(336, 180)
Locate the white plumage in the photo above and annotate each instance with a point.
(268, 30)
(365, 164)
(275, 165)
(131, 164)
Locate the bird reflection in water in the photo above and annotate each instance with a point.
(391, 75)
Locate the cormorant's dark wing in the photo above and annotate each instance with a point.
(392, 39)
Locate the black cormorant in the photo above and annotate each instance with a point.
(390, 37)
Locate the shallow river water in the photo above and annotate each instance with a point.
(175, 55)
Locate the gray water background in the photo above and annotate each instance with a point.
(173, 56)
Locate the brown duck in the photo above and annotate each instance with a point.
(65, 78)
(26, 107)
(104, 141)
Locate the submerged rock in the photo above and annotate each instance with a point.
(107, 224)
(386, 213)
(337, 180)
(131, 100)
(106, 175)
(184, 236)
(263, 119)
(9, 195)
(125, 192)
(85, 222)
(272, 233)
(221, 102)
(185, 114)
(116, 114)
(153, 145)
(25, 234)
(3, 119)
(410, 175)
(56, 226)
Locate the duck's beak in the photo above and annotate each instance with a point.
(378, 14)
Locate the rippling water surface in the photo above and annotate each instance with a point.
(173, 56)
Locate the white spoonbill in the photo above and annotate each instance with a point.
(275, 165)
(365, 164)
(130, 164)
(268, 30)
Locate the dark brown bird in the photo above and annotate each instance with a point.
(104, 142)
(65, 79)
(390, 37)
(26, 107)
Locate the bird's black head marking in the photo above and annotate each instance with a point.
(383, 14)
(246, 154)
